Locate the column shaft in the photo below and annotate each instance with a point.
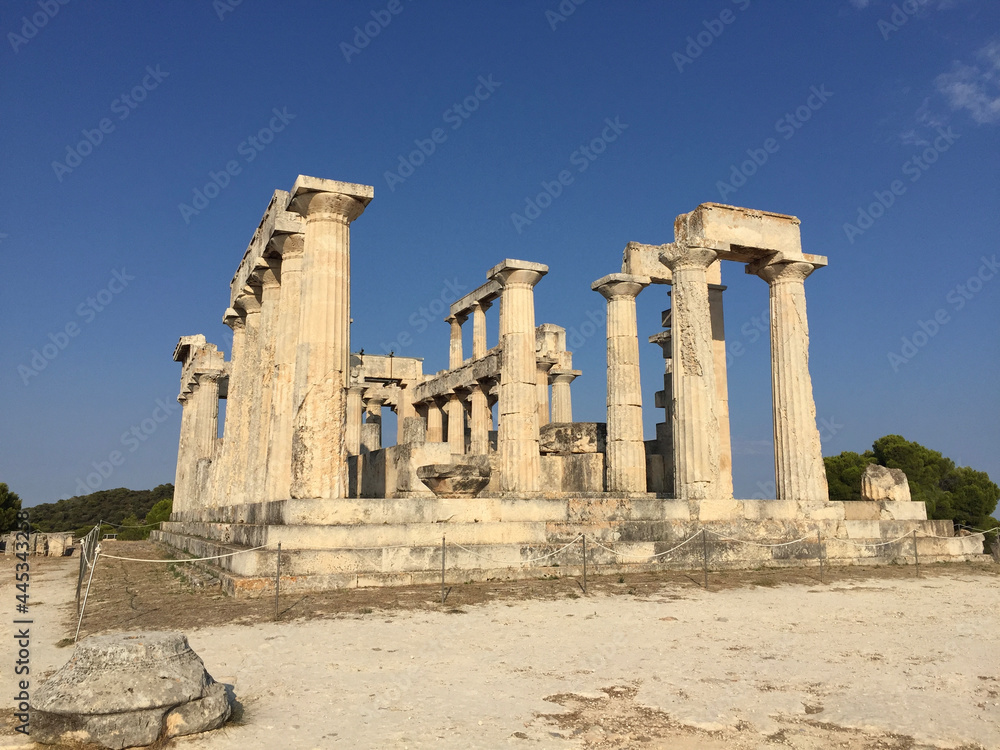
(722, 388)
(798, 454)
(480, 418)
(626, 452)
(186, 462)
(562, 402)
(232, 433)
(696, 428)
(456, 424)
(355, 412)
(479, 329)
(319, 448)
(455, 345)
(246, 486)
(435, 423)
(279, 454)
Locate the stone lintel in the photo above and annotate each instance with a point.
(306, 184)
(461, 378)
(258, 243)
(510, 264)
(739, 234)
(644, 260)
(486, 294)
(380, 367)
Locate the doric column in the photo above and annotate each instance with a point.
(319, 449)
(455, 350)
(696, 433)
(479, 328)
(479, 443)
(542, 367)
(435, 422)
(204, 432)
(233, 434)
(626, 453)
(355, 412)
(245, 478)
(186, 462)
(562, 402)
(518, 413)
(267, 273)
(404, 410)
(798, 454)
(456, 424)
(721, 388)
(279, 455)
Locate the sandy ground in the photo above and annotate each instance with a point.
(885, 661)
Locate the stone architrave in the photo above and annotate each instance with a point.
(626, 453)
(319, 448)
(520, 460)
(696, 426)
(798, 454)
(882, 483)
(289, 245)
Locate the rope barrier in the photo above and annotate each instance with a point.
(758, 544)
(647, 557)
(184, 560)
(879, 544)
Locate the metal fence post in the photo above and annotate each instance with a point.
(704, 551)
(916, 555)
(277, 583)
(585, 563)
(442, 568)
(819, 552)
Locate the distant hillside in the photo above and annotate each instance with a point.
(111, 506)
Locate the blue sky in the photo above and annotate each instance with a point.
(118, 113)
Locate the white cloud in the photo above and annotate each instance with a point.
(975, 88)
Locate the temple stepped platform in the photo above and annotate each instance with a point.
(397, 541)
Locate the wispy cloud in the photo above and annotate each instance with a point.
(975, 88)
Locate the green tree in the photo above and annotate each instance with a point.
(959, 494)
(10, 504)
(160, 512)
(130, 531)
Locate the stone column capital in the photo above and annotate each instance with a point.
(784, 272)
(517, 273)
(457, 319)
(480, 305)
(248, 302)
(233, 319)
(324, 206)
(287, 245)
(564, 377)
(677, 256)
(266, 273)
(618, 285)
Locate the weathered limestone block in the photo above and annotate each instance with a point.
(573, 437)
(128, 689)
(454, 480)
(883, 483)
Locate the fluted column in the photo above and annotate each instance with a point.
(455, 348)
(542, 367)
(233, 434)
(244, 485)
(798, 454)
(355, 412)
(319, 448)
(186, 462)
(721, 387)
(479, 442)
(267, 274)
(518, 413)
(435, 422)
(696, 433)
(562, 402)
(279, 455)
(456, 424)
(204, 427)
(404, 410)
(479, 328)
(626, 453)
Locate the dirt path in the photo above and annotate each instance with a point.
(865, 661)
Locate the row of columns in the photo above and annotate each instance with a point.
(698, 453)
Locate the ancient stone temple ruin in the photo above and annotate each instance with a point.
(301, 458)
